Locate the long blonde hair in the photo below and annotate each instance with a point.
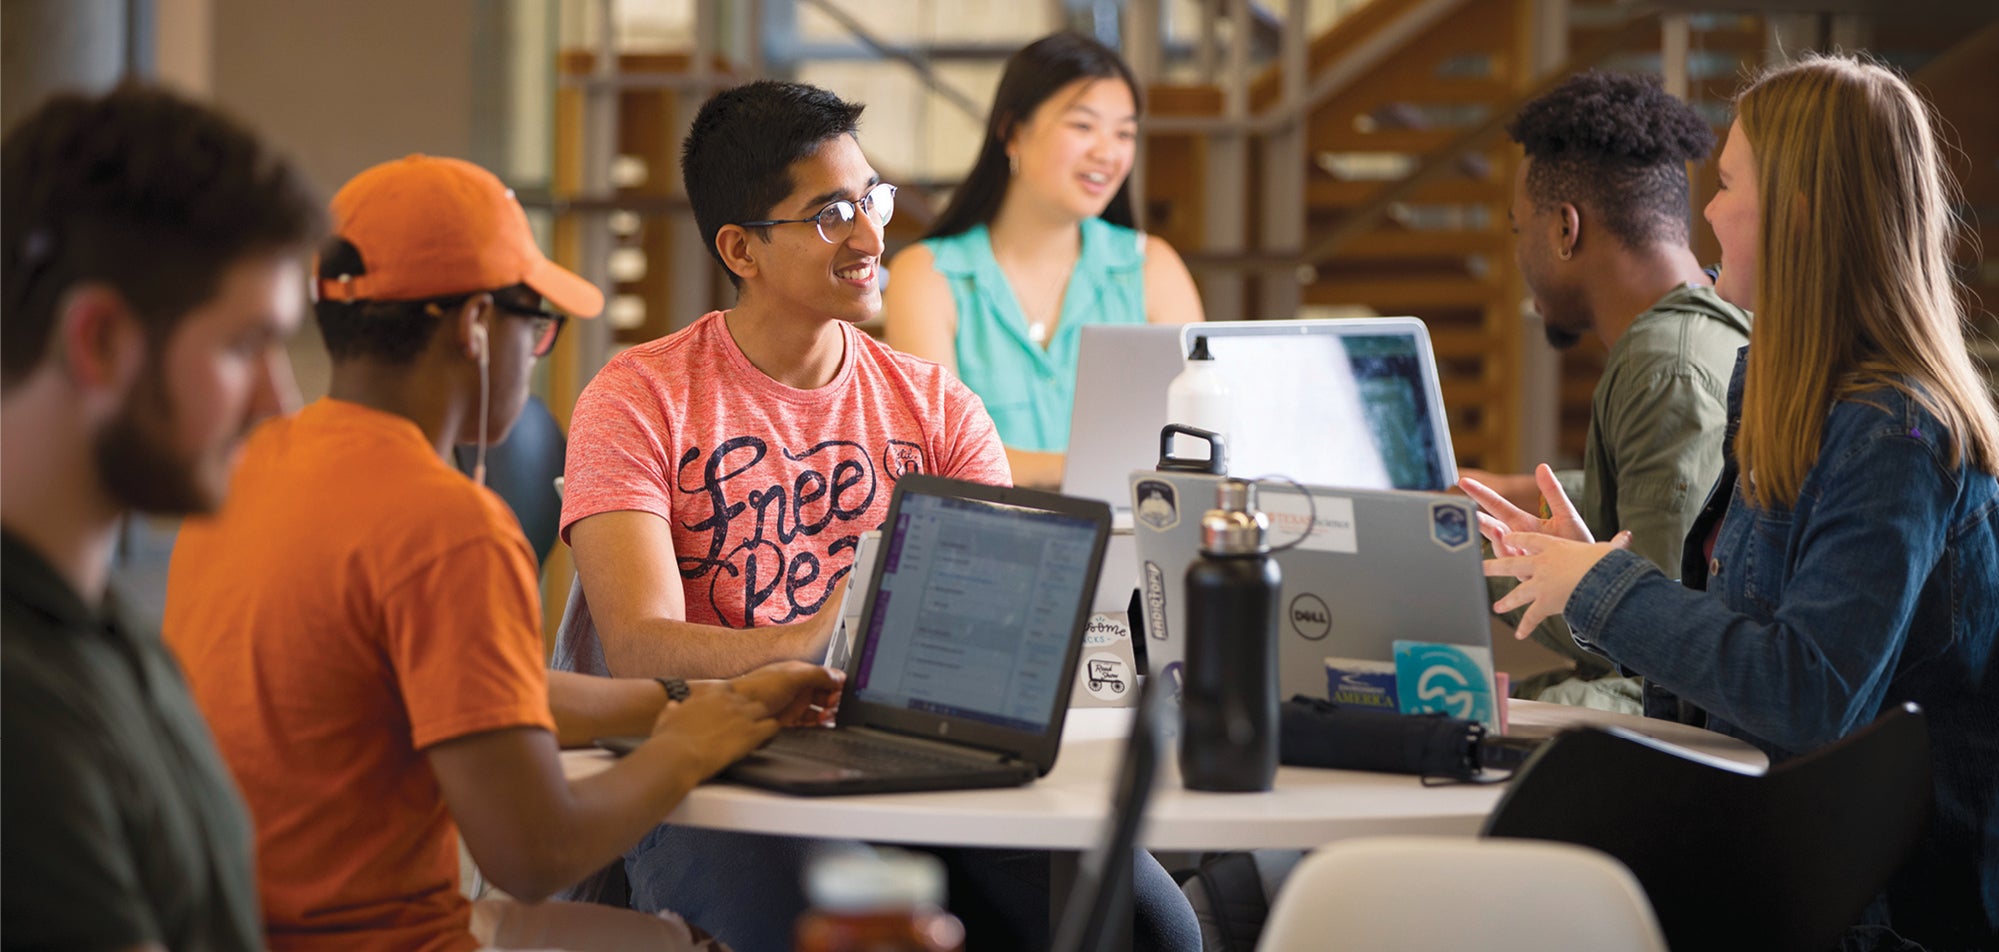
(1854, 289)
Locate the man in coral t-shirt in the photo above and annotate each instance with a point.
(719, 479)
(360, 623)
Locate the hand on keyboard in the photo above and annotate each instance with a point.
(797, 693)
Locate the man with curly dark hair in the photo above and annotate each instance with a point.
(1600, 218)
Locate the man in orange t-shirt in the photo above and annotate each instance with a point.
(360, 623)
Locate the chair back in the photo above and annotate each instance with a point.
(523, 469)
(1417, 892)
(1785, 860)
(1098, 913)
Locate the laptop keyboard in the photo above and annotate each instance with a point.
(849, 749)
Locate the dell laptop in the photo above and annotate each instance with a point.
(1373, 567)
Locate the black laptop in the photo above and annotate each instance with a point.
(960, 673)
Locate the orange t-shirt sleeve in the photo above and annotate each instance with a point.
(461, 635)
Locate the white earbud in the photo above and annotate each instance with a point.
(485, 394)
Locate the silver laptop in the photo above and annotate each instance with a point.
(1379, 566)
(966, 647)
(1122, 372)
(1350, 402)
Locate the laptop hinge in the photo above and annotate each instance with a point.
(956, 749)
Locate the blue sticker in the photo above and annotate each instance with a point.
(1445, 679)
(1362, 688)
(1154, 503)
(1450, 527)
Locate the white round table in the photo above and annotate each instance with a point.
(1066, 809)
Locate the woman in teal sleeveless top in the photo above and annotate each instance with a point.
(1036, 244)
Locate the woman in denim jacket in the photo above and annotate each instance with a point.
(1855, 565)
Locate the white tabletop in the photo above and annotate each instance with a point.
(1066, 809)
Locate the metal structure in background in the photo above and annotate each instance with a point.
(54, 45)
(1254, 159)
(1247, 204)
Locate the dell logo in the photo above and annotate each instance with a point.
(1310, 617)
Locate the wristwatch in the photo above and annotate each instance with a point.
(676, 689)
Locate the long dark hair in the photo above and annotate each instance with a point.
(1033, 74)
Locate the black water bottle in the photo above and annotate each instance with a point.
(1228, 698)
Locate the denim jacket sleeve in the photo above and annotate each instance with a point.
(1808, 655)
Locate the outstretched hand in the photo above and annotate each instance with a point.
(1498, 519)
(1516, 488)
(1549, 568)
(797, 693)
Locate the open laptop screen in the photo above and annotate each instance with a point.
(1394, 399)
(975, 610)
(1337, 403)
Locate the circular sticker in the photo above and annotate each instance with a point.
(1106, 676)
(1155, 504)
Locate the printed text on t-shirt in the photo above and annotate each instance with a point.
(833, 486)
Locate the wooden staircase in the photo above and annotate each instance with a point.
(1439, 252)
(1406, 188)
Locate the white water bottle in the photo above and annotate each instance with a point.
(1198, 397)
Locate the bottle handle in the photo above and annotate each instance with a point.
(1216, 464)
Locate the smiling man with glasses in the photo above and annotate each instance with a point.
(362, 624)
(719, 479)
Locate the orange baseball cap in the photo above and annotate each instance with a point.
(431, 227)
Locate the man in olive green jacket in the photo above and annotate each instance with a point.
(1600, 217)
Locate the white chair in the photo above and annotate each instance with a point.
(1417, 894)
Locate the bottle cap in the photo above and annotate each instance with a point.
(862, 879)
(1234, 526)
(1200, 351)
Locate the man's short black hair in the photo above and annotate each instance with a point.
(737, 158)
(393, 332)
(153, 195)
(1617, 145)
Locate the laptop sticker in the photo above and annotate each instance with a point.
(1449, 527)
(1156, 504)
(1106, 676)
(1361, 682)
(1452, 680)
(1330, 519)
(1155, 602)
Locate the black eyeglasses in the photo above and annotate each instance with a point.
(836, 221)
(547, 323)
